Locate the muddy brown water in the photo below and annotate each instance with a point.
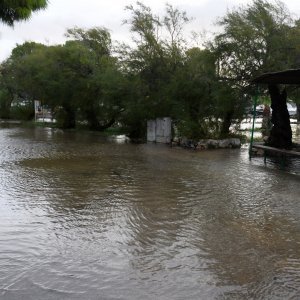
(84, 217)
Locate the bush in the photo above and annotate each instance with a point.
(21, 112)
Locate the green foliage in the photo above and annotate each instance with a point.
(264, 99)
(22, 112)
(96, 39)
(16, 10)
(192, 90)
(151, 64)
(79, 81)
(25, 49)
(17, 75)
(5, 103)
(255, 39)
(85, 81)
(99, 100)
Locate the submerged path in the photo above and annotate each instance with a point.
(82, 217)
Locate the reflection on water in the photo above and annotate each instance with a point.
(86, 218)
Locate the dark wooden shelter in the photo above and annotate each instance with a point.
(280, 139)
(281, 133)
(291, 76)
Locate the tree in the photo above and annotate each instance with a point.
(13, 73)
(151, 64)
(6, 94)
(16, 10)
(192, 92)
(100, 103)
(96, 39)
(255, 39)
(36, 72)
(294, 52)
(79, 81)
(5, 101)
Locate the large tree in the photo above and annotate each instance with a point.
(256, 38)
(192, 89)
(17, 10)
(79, 80)
(101, 101)
(157, 53)
(13, 73)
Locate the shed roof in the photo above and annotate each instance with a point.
(291, 76)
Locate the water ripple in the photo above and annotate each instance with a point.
(83, 218)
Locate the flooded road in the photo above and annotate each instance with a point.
(86, 218)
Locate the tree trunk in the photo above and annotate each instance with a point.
(107, 125)
(5, 107)
(226, 124)
(298, 112)
(69, 118)
(92, 120)
(281, 133)
(94, 123)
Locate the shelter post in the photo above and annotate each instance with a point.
(253, 122)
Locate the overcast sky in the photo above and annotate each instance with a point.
(48, 26)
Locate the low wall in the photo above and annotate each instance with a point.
(210, 144)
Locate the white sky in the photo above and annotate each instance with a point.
(48, 26)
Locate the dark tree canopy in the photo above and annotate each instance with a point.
(92, 80)
(17, 10)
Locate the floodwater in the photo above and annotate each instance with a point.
(82, 217)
